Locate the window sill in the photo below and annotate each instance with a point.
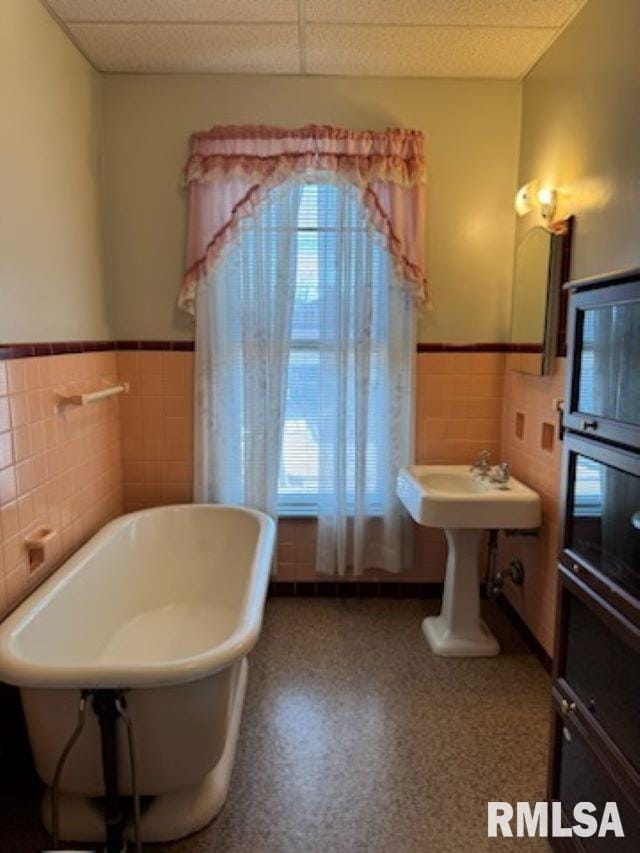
(313, 513)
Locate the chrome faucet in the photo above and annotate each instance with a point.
(482, 465)
(500, 473)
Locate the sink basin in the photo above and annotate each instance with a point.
(451, 496)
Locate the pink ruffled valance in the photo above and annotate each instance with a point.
(232, 169)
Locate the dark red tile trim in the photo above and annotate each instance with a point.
(529, 637)
(478, 347)
(30, 350)
(172, 346)
(354, 589)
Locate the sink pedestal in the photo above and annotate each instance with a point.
(459, 631)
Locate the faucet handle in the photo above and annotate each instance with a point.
(482, 464)
(501, 473)
(483, 460)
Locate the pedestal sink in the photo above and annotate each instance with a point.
(453, 498)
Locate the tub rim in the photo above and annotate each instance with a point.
(19, 671)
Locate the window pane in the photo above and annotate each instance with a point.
(318, 266)
(305, 322)
(299, 463)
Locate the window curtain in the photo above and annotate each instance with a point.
(365, 393)
(243, 333)
(244, 196)
(231, 170)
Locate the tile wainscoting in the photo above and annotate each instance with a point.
(59, 466)
(531, 443)
(156, 427)
(458, 414)
(76, 469)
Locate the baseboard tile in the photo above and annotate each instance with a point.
(526, 633)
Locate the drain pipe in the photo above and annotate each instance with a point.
(106, 704)
(513, 572)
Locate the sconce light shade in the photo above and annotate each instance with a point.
(527, 198)
(532, 196)
(548, 200)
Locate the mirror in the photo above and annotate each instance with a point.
(538, 312)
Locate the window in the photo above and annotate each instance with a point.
(313, 344)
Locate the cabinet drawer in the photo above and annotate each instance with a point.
(600, 664)
(580, 776)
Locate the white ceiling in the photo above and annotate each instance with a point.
(412, 38)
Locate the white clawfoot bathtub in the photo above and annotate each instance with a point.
(164, 603)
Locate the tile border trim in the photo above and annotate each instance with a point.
(35, 349)
(526, 633)
(496, 346)
(165, 346)
(32, 350)
(353, 589)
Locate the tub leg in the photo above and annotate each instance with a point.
(105, 708)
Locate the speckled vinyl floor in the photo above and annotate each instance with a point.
(356, 739)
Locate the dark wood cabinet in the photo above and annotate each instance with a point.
(603, 389)
(595, 744)
(600, 533)
(583, 776)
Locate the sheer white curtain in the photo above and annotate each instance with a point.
(365, 379)
(243, 328)
(323, 267)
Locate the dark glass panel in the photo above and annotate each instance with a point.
(582, 780)
(604, 524)
(610, 362)
(605, 673)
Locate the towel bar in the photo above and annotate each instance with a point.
(93, 396)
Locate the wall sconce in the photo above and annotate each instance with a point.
(532, 196)
(548, 200)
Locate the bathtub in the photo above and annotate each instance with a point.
(164, 603)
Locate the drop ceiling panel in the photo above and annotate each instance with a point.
(177, 11)
(496, 13)
(423, 51)
(413, 38)
(223, 48)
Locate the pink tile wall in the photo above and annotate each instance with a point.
(75, 469)
(156, 421)
(458, 414)
(59, 467)
(458, 406)
(538, 465)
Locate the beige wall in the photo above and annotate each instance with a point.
(472, 133)
(581, 132)
(51, 267)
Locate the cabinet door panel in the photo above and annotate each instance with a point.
(603, 393)
(609, 363)
(602, 528)
(582, 779)
(604, 672)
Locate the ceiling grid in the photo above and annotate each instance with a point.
(498, 39)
